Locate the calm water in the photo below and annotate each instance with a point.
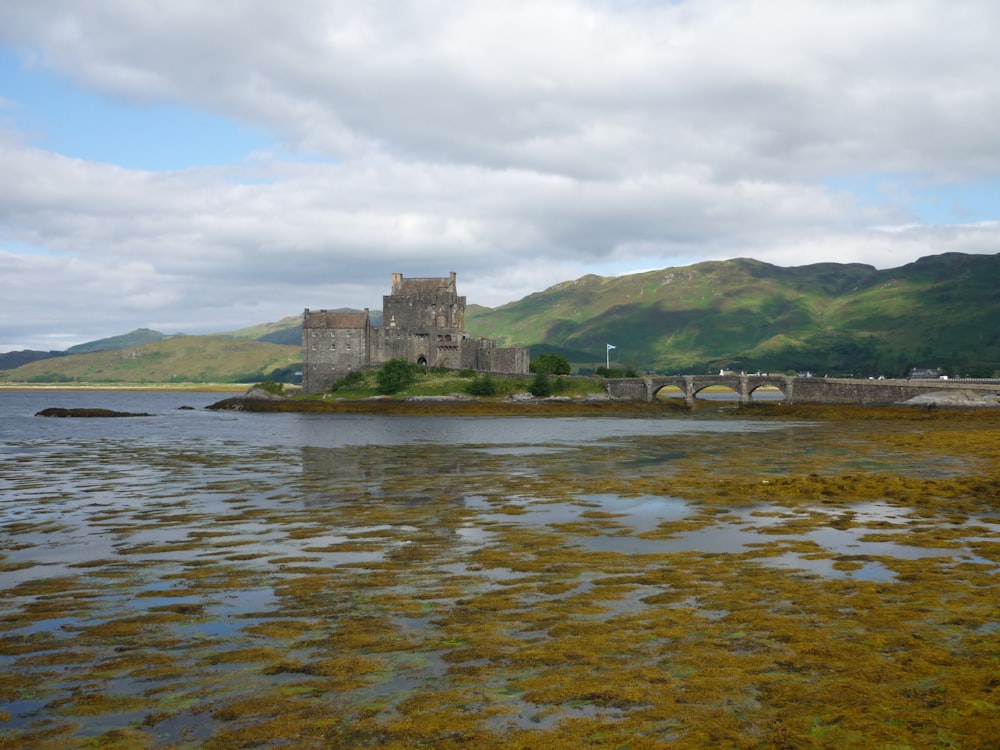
(219, 511)
(172, 425)
(125, 461)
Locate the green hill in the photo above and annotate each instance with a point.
(939, 311)
(138, 337)
(288, 330)
(10, 360)
(180, 359)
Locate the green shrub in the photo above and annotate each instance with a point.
(272, 387)
(541, 386)
(351, 380)
(483, 385)
(553, 364)
(395, 375)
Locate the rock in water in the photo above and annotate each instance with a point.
(55, 411)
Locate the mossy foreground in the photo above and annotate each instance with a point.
(792, 579)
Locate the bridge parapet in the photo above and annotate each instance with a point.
(796, 390)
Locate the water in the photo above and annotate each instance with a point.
(98, 464)
(172, 425)
(197, 540)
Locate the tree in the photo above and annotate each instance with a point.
(551, 364)
(483, 385)
(395, 375)
(541, 386)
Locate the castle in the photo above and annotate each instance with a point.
(423, 321)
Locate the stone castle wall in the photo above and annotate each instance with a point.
(332, 343)
(423, 321)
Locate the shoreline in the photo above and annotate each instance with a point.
(602, 407)
(167, 387)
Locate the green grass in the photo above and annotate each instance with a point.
(447, 382)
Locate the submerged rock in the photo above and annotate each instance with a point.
(55, 411)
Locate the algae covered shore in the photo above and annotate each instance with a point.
(772, 577)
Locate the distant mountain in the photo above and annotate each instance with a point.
(10, 360)
(178, 359)
(136, 338)
(940, 311)
(288, 331)
(282, 329)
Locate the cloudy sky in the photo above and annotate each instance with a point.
(202, 166)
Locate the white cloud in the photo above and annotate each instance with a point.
(519, 143)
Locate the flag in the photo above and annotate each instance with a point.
(610, 347)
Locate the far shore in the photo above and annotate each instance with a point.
(204, 387)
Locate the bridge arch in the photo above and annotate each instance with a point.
(717, 391)
(669, 392)
(797, 390)
(768, 393)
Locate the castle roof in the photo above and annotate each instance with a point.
(415, 287)
(329, 319)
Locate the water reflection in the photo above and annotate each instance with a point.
(382, 561)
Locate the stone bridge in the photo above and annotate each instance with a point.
(796, 390)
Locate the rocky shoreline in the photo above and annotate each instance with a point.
(259, 400)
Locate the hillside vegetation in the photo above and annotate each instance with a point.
(181, 359)
(940, 311)
(842, 319)
(138, 337)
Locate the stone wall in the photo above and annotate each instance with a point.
(796, 390)
(422, 321)
(333, 345)
(424, 306)
(483, 355)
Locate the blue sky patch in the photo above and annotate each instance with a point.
(924, 201)
(58, 116)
